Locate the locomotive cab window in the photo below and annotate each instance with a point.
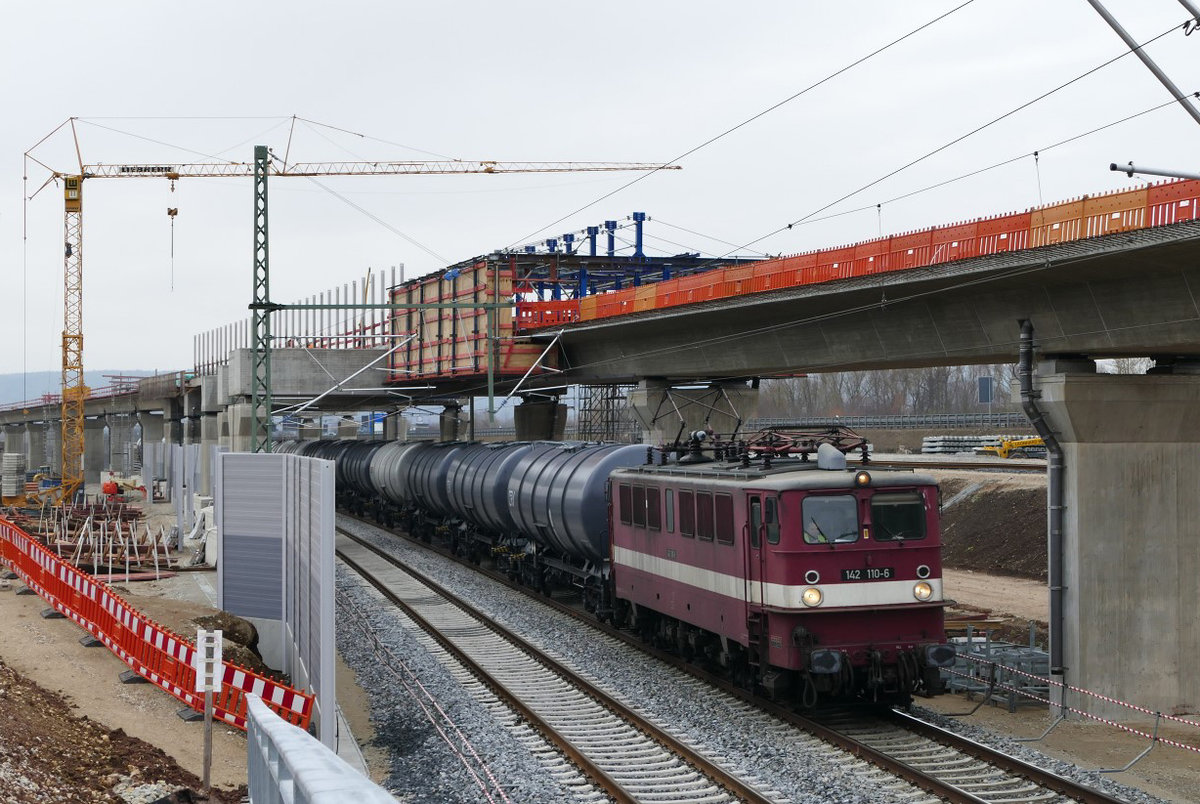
(772, 520)
(687, 514)
(625, 504)
(830, 519)
(704, 516)
(898, 516)
(639, 506)
(724, 518)
(653, 509)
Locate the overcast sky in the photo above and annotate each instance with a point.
(541, 81)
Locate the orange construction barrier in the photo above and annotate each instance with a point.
(160, 656)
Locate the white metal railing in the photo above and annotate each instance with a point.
(286, 765)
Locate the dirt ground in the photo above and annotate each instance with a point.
(1005, 516)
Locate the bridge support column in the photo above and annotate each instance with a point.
(95, 449)
(667, 413)
(210, 439)
(1131, 568)
(543, 420)
(451, 422)
(395, 427)
(310, 429)
(35, 446)
(153, 461)
(347, 429)
(241, 420)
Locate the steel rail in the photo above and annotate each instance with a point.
(879, 758)
(733, 785)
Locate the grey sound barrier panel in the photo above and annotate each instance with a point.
(275, 518)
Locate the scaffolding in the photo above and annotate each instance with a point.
(603, 414)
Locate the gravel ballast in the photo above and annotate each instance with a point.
(797, 766)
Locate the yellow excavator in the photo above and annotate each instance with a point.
(1015, 448)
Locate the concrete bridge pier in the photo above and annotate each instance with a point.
(310, 429)
(241, 423)
(15, 442)
(540, 420)
(347, 428)
(35, 446)
(666, 412)
(395, 427)
(451, 422)
(1131, 530)
(95, 448)
(210, 431)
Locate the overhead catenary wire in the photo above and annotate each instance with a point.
(957, 140)
(754, 117)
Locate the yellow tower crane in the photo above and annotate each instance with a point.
(75, 391)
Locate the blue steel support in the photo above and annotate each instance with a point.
(592, 231)
(639, 218)
(611, 227)
(552, 245)
(568, 243)
(583, 282)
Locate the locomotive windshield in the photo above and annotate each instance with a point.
(830, 519)
(898, 517)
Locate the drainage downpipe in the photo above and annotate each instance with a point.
(1054, 492)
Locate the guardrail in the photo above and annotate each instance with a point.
(286, 765)
(155, 653)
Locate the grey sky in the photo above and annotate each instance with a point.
(531, 81)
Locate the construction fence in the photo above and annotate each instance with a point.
(162, 657)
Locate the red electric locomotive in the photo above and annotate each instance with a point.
(813, 580)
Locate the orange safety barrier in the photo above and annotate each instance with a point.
(1057, 223)
(152, 651)
(911, 250)
(1091, 216)
(775, 274)
(870, 256)
(1114, 212)
(587, 307)
(1003, 233)
(834, 263)
(1173, 202)
(547, 313)
(956, 242)
(644, 297)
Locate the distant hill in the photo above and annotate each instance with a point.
(22, 387)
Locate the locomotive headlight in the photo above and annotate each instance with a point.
(811, 596)
(862, 479)
(922, 591)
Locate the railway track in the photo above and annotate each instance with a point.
(625, 754)
(900, 747)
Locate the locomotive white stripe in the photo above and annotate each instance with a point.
(836, 595)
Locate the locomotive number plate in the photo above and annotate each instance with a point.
(869, 574)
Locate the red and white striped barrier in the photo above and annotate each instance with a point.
(152, 651)
(996, 666)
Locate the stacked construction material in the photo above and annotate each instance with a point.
(954, 444)
(12, 474)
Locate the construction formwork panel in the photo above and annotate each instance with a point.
(453, 343)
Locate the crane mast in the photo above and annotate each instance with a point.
(74, 389)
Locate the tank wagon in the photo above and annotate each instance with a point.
(808, 579)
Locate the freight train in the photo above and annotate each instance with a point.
(807, 579)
